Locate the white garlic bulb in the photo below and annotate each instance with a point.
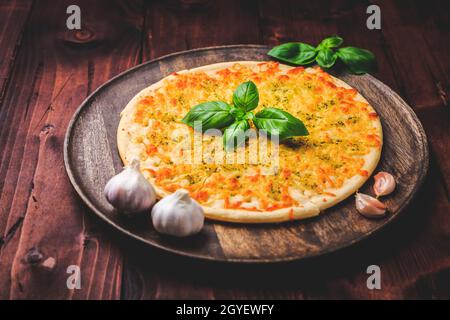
(369, 207)
(178, 215)
(129, 191)
(384, 184)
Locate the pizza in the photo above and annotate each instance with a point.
(311, 174)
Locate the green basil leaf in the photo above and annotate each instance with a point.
(235, 135)
(331, 42)
(326, 58)
(279, 122)
(246, 96)
(294, 52)
(213, 114)
(358, 61)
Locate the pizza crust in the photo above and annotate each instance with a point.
(313, 207)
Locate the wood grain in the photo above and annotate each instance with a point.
(91, 159)
(44, 217)
(13, 18)
(431, 72)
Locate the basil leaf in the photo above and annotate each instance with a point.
(331, 42)
(213, 114)
(294, 52)
(279, 122)
(326, 58)
(358, 61)
(246, 96)
(235, 134)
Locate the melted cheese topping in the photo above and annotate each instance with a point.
(340, 126)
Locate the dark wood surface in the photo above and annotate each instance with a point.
(46, 71)
(91, 159)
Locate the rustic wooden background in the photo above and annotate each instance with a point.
(46, 71)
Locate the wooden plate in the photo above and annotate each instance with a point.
(91, 158)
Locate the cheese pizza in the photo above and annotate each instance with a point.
(311, 173)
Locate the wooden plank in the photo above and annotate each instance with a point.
(13, 17)
(420, 59)
(178, 25)
(411, 54)
(40, 211)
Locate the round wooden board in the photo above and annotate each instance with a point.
(91, 159)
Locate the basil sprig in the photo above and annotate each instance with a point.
(235, 119)
(358, 61)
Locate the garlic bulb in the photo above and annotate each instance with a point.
(129, 191)
(384, 184)
(369, 207)
(178, 215)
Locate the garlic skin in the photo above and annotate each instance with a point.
(178, 215)
(384, 184)
(369, 207)
(129, 191)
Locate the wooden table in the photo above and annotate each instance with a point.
(46, 71)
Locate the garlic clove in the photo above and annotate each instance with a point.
(129, 191)
(384, 184)
(178, 215)
(369, 207)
